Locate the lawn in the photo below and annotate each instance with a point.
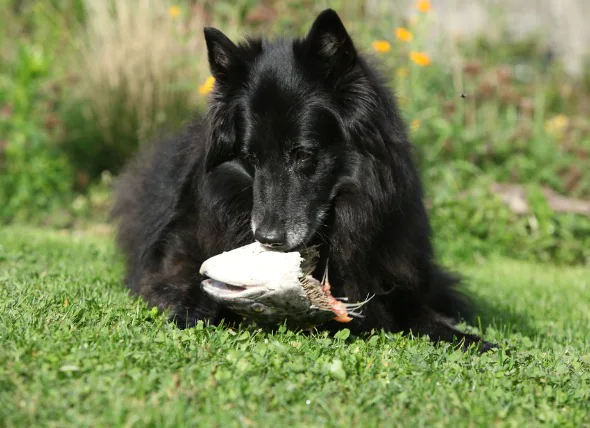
(76, 350)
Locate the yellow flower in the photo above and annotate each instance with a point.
(423, 5)
(557, 125)
(207, 87)
(381, 46)
(403, 34)
(174, 11)
(420, 58)
(415, 124)
(403, 72)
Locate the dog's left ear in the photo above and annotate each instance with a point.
(329, 42)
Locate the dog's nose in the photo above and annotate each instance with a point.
(271, 236)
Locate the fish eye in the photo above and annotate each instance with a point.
(257, 307)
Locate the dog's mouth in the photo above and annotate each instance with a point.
(303, 232)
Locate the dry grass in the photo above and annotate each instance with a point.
(140, 66)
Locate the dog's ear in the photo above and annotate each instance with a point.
(224, 56)
(223, 138)
(225, 63)
(329, 42)
(229, 64)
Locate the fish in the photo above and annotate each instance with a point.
(272, 287)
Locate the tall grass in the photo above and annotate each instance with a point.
(136, 67)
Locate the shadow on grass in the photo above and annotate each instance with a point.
(501, 317)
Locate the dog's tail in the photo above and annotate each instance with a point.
(445, 297)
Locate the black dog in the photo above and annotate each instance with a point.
(302, 144)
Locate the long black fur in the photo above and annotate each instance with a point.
(302, 144)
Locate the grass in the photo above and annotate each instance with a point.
(78, 351)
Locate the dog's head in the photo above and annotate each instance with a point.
(277, 110)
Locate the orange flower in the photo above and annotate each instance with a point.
(174, 11)
(423, 5)
(403, 34)
(381, 46)
(420, 58)
(207, 87)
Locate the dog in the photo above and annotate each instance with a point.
(302, 144)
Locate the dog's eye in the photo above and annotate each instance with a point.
(302, 155)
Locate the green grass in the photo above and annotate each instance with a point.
(76, 350)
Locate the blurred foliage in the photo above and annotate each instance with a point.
(134, 72)
(35, 177)
(476, 224)
(83, 85)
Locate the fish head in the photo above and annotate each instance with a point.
(267, 304)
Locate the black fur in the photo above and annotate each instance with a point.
(302, 144)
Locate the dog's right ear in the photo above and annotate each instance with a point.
(224, 57)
